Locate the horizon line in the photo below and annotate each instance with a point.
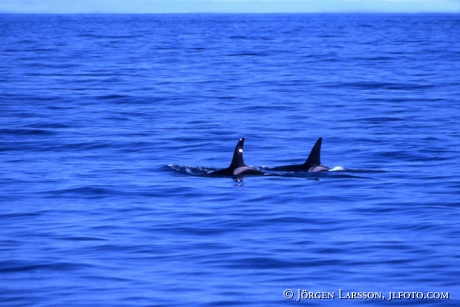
(216, 13)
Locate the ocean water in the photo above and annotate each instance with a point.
(109, 124)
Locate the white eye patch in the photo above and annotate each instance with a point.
(240, 150)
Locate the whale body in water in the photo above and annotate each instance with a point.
(237, 166)
(312, 164)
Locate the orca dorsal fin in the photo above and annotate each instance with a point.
(315, 155)
(237, 160)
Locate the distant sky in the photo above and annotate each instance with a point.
(226, 6)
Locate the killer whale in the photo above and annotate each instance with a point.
(312, 164)
(237, 166)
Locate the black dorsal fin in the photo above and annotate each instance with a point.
(237, 160)
(315, 155)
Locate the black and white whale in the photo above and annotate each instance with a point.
(312, 164)
(237, 167)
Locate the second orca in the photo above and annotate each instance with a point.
(312, 164)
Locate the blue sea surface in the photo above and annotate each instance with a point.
(110, 123)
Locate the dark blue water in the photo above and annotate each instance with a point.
(108, 124)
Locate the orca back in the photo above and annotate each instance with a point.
(237, 166)
(312, 164)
